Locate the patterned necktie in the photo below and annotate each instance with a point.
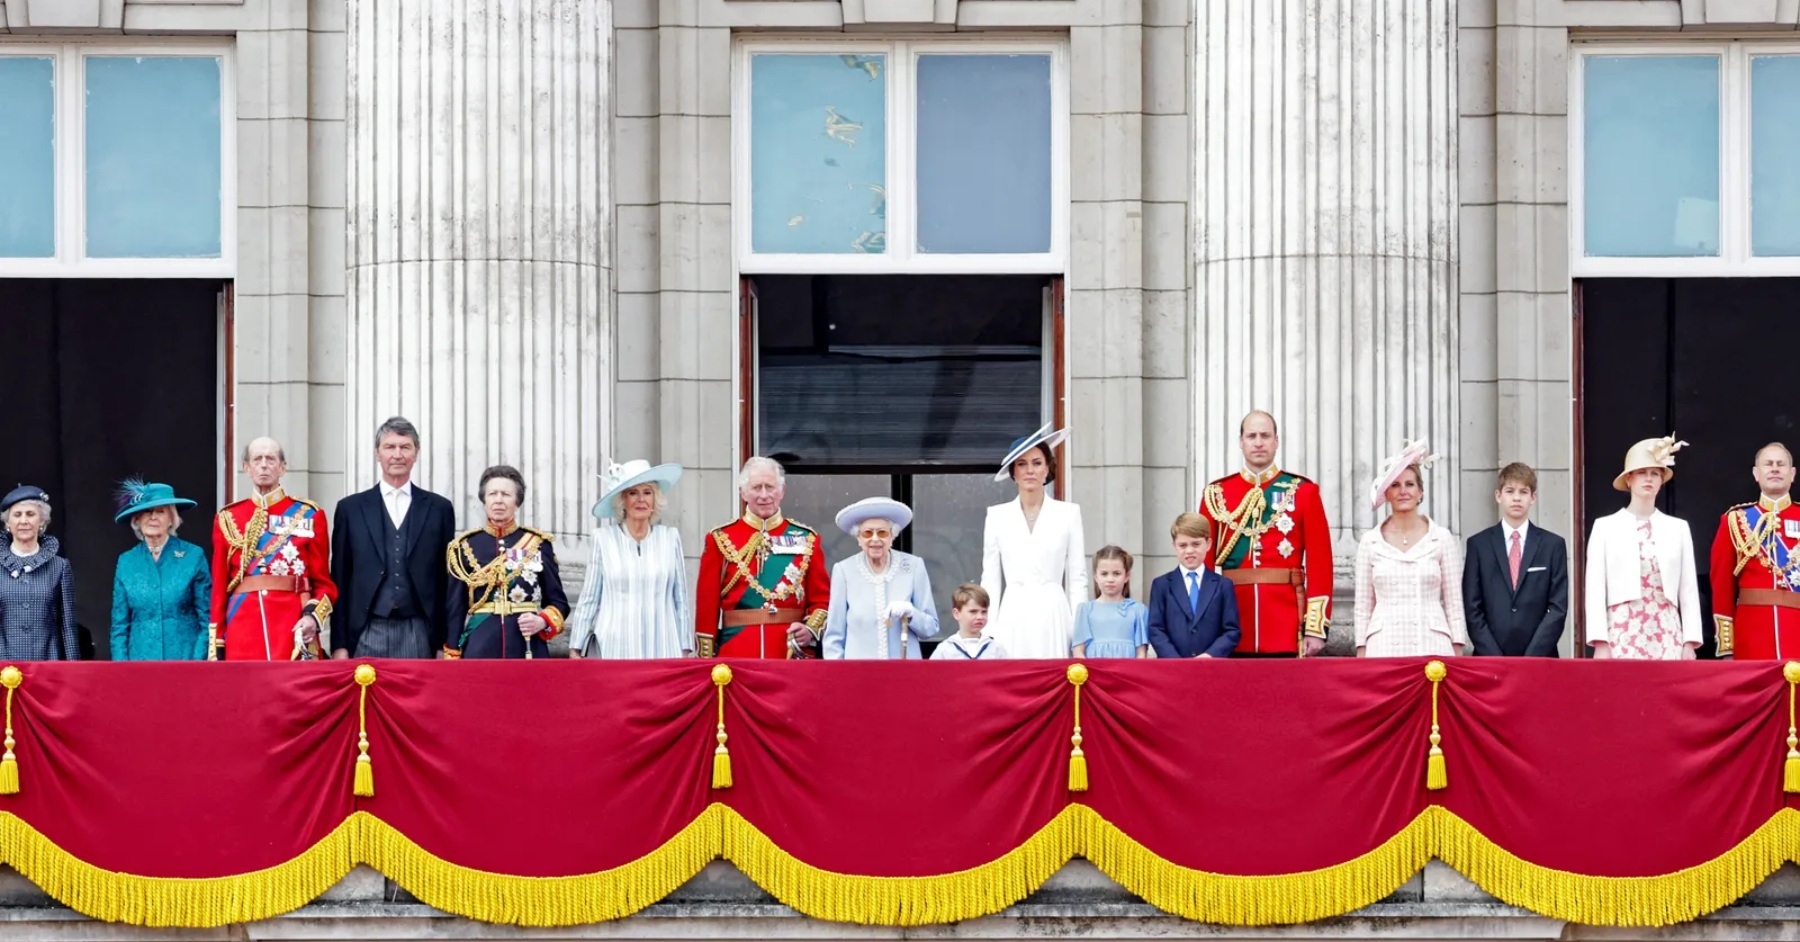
(1194, 592)
(1513, 557)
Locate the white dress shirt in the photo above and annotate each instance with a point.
(397, 499)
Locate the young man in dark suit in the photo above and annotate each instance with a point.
(387, 557)
(1193, 610)
(1516, 576)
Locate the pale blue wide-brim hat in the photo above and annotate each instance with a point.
(620, 478)
(1048, 436)
(874, 508)
(135, 497)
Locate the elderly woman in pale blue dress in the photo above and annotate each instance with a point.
(881, 601)
(634, 600)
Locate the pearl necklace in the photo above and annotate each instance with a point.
(880, 582)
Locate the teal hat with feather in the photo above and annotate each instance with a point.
(136, 495)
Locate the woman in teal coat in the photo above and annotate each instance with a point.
(162, 586)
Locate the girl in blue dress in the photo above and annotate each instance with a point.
(1112, 624)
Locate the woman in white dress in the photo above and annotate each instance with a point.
(634, 602)
(1033, 563)
(880, 596)
(1408, 570)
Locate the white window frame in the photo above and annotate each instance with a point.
(70, 259)
(901, 255)
(1734, 258)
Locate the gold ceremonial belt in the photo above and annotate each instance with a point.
(504, 607)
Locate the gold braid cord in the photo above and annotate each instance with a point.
(1750, 542)
(739, 560)
(465, 568)
(245, 542)
(1243, 521)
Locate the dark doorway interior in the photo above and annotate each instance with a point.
(1706, 358)
(109, 379)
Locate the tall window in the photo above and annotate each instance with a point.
(905, 386)
(1684, 159)
(901, 157)
(118, 160)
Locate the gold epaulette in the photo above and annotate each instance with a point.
(540, 534)
(795, 523)
(302, 500)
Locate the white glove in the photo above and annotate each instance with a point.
(899, 611)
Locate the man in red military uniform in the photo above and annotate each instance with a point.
(1271, 539)
(1756, 567)
(271, 576)
(764, 586)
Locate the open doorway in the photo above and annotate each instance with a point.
(110, 379)
(1704, 358)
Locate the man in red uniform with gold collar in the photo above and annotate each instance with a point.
(1756, 567)
(1271, 539)
(764, 586)
(271, 575)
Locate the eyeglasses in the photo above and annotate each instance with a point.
(875, 534)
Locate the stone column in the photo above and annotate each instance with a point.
(1326, 239)
(479, 253)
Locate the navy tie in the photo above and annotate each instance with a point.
(1194, 592)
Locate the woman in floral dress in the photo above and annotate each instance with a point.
(506, 596)
(1643, 597)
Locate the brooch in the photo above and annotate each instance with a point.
(181, 554)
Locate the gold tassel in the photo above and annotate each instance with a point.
(9, 764)
(1078, 777)
(363, 786)
(1436, 779)
(1790, 773)
(721, 777)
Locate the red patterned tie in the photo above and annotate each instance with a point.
(1513, 557)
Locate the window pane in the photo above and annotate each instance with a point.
(984, 154)
(818, 154)
(28, 159)
(879, 371)
(949, 512)
(153, 157)
(1651, 144)
(1774, 140)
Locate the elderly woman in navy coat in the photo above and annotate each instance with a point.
(162, 586)
(37, 592)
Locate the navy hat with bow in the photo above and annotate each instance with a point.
(23, 492)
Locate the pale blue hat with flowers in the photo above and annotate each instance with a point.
(620, 478)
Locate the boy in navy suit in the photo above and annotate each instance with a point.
(1516, 576)
(1193, 610)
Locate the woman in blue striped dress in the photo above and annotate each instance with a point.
(634, 601)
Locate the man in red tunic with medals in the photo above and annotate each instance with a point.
(271, 577)
(1756, 567)
(764, 586)
(1271, 539)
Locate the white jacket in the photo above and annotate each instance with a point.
(1613, 573)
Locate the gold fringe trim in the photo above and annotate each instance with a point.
(1077, 830)
(903, 901)
(167, 901)
(543, 901)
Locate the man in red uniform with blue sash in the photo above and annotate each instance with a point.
(764, 586)
(271, 585)
(1756, 567)
(1271, 539)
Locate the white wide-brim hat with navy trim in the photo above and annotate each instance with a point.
(1043, 436)
(874, 508)
(620, 478)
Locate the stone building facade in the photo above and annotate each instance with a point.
(525, 225)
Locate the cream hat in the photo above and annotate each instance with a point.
(1650, 453)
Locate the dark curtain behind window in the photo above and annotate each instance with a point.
(108, 379)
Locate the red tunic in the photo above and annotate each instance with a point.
(1273, 521)
(1757, 548)
(737, 575)
(270, 566)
